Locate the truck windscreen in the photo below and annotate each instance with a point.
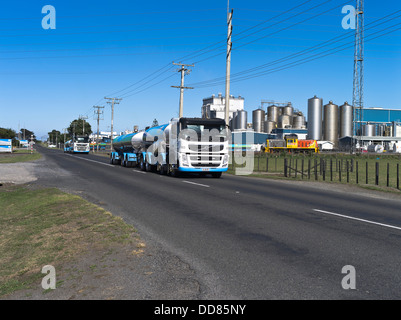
(82, 139)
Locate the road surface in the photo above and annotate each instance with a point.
(250, 238)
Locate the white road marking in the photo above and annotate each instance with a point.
(106, 164)
(358, 219)
(198, 184)
(143, 172)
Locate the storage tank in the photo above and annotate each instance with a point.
(369, 130)
(298, 121)
(258, 120)
(315, 118)
(269, 126)
(346, 119)
(377, 148)
(288, 110)
(273, 113)
(284, 121)
(234, 120)
(330, 123)
(242, 120)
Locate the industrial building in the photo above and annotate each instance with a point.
(214, 106)
(378, 131)
(330, 124)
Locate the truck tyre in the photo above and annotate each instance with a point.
(216, 175)
(142, 164)
(148, 167)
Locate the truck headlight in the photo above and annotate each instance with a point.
(225, 160)
(184, 160)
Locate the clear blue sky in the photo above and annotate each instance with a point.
(50, 77)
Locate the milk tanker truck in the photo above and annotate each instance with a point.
(184, 145)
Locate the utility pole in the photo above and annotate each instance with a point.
(83, 123)
(98, 113)
(112, 101)
(184, 71)
(357, 96)
(228, 63)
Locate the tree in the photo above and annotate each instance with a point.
(25, 133)
(7, 133)
(55, 136)
(77, 128)
(155, 123)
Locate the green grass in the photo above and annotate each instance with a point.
(48, 227)
(272, 166)
(19, 157)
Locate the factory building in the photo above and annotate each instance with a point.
(330, 124)
(380, 129)
(214, 106)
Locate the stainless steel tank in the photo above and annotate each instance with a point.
(234, 120)
(242, 120)
(298, 121)
(369, 130)
(330, 123)
(288, 110)
(258, 120)
(273, 113)
(269, 126)
(346, 119)
(285, 121)
(315, 105)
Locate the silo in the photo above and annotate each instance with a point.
(330, 123)
(234, 121)
(258, 120)
(284, 121)
(298, 121)
(346, 119)
(269, 126)
(288, 110)
(242, 119)
(369, 130)
(272, 113)
(315, 118)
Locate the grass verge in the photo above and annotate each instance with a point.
(49, 227)
(19, 157)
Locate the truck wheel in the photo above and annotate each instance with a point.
(163, 169)
(142, 164)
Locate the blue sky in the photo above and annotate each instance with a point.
(99, 48)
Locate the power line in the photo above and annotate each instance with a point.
(303, 52)
(210, 46)
(305, 60)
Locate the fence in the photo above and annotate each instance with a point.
(369, 169)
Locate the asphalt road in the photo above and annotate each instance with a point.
(250, 238)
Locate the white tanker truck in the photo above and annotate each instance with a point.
(184, 145)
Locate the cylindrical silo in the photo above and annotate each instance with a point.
(346, 119)
(272, 113)
(330, 123)
(288, 110)
(269, 126)
(258, 120)
(298, 121)
(284, 121)
(315, 105)
(242, 119)
(234, 121)
(369, 130)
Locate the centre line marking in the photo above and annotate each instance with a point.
(106, 164)
(197, 184)
(358, 219)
